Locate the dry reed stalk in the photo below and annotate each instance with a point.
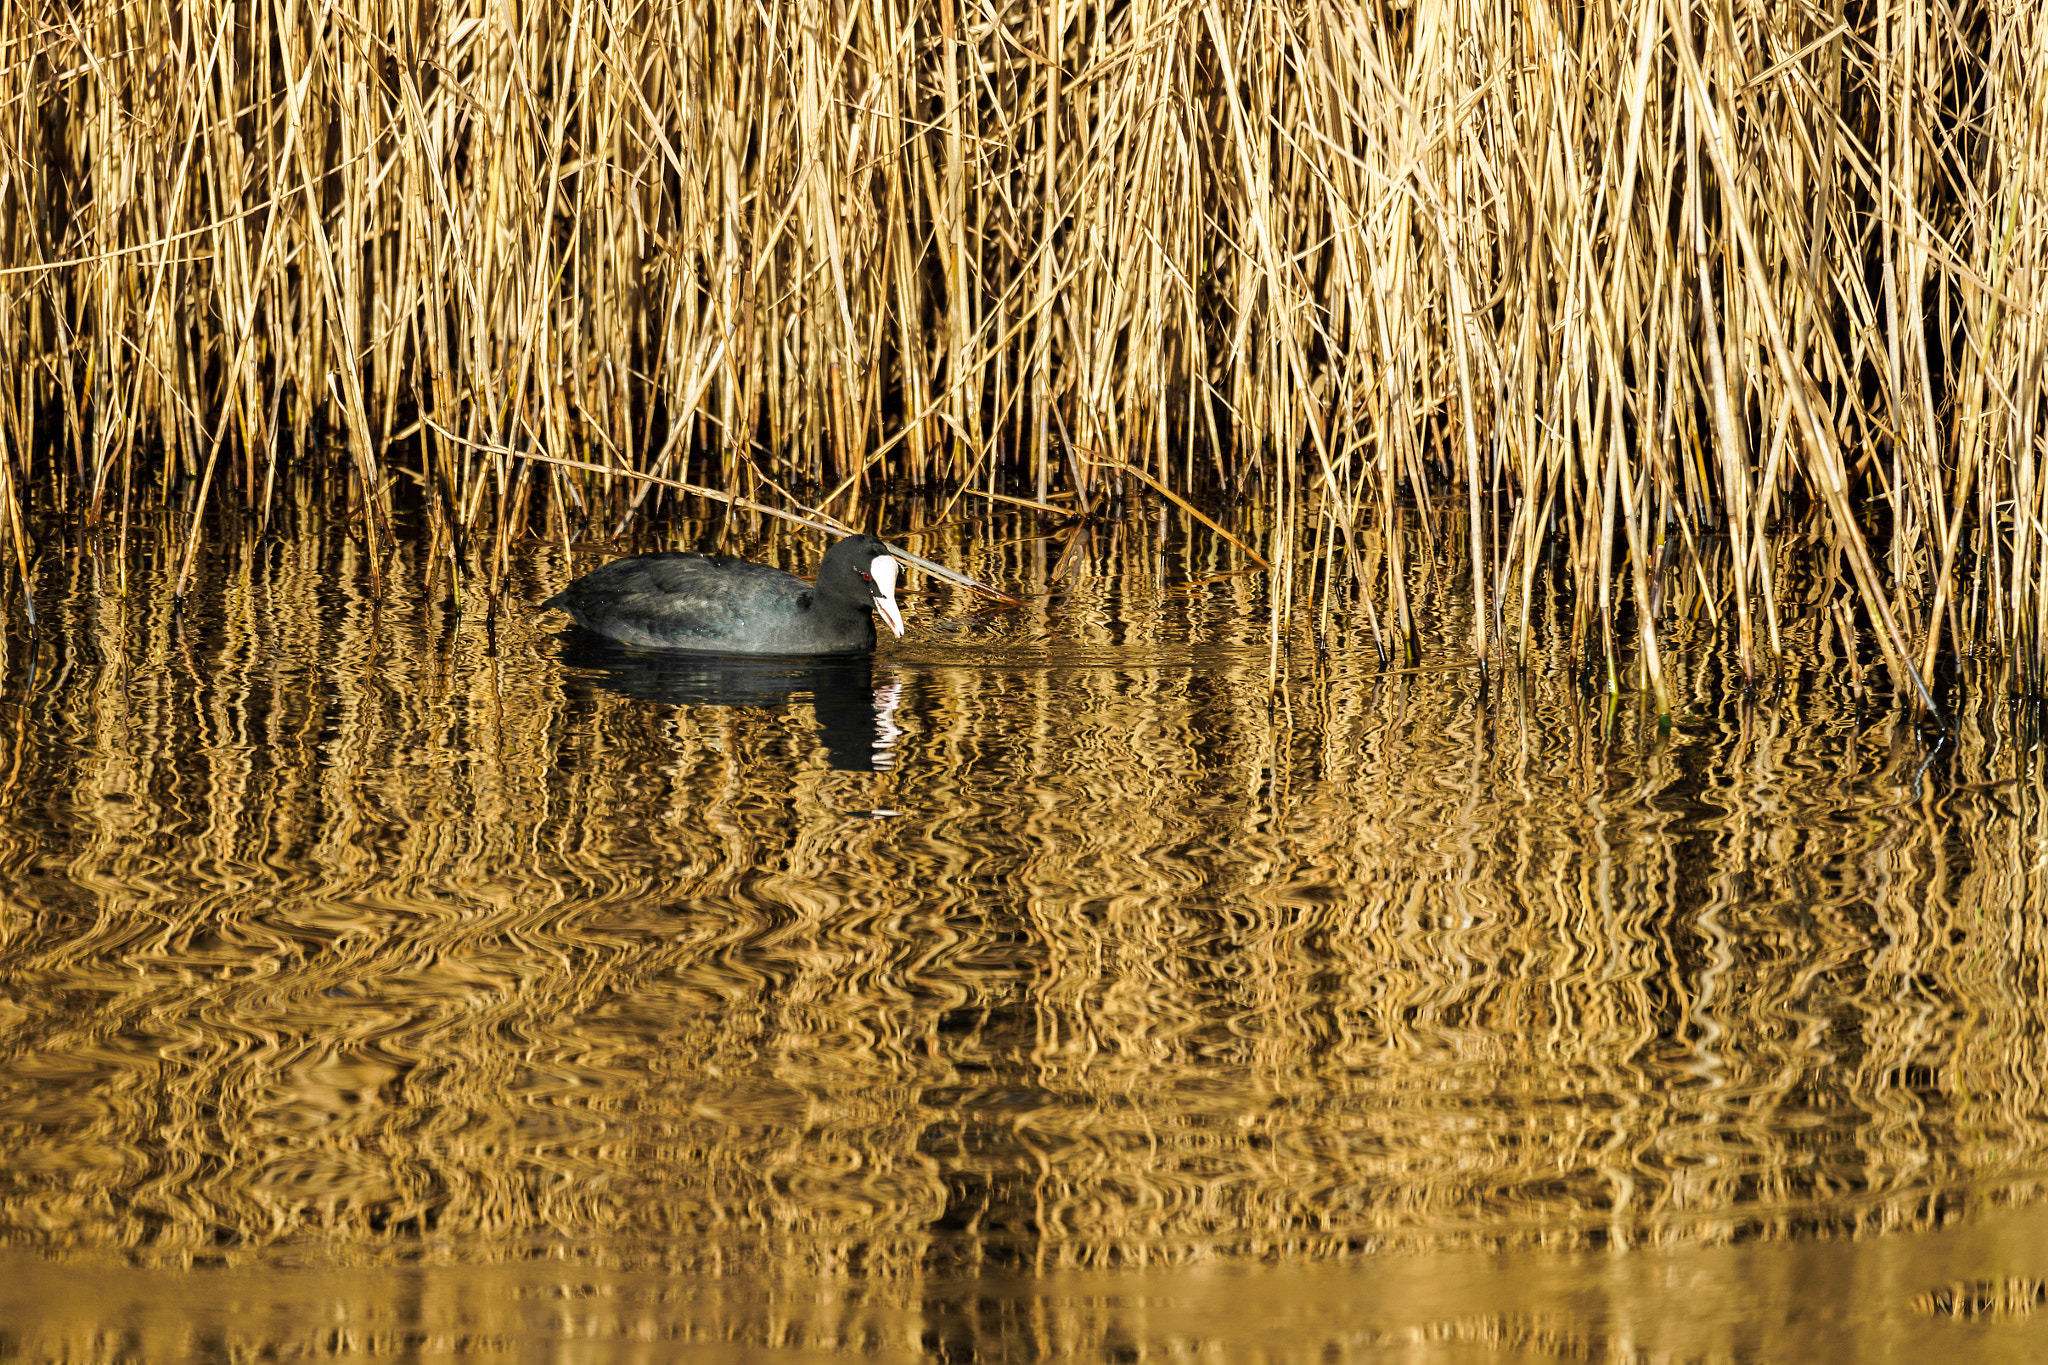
(1613, 282)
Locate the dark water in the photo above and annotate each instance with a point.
(1103, 980)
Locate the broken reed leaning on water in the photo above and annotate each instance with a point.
(1540, 320)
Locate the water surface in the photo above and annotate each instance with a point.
(387, 978)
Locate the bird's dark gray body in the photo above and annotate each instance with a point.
(720, 604)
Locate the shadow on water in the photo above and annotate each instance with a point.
(856, 719)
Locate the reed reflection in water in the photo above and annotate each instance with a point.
(381, 932)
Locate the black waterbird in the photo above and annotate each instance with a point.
(721, 604)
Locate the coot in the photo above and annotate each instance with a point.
(733, 606)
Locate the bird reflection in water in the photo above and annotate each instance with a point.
(856, 719)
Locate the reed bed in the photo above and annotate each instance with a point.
(1579, 293)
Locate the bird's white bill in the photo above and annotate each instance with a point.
(882, 586)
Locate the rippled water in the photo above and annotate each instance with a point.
(1104, 979)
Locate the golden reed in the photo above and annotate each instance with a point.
(1576, 291)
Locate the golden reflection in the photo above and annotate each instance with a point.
(368, 926)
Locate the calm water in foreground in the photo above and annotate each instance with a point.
(1091, 981)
